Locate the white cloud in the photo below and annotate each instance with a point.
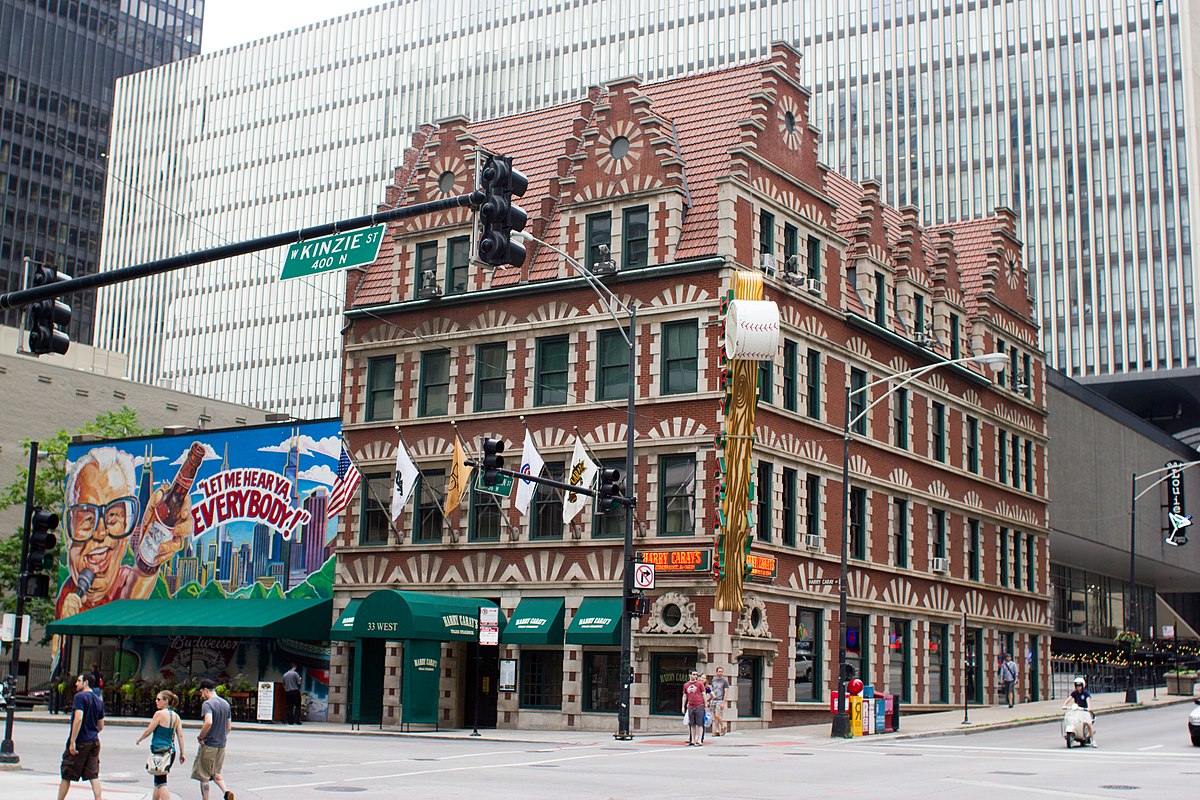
(320, 474)
(329, 446)
(141, 461)
(209, 455)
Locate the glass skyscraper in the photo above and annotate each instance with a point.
(59, 62)
(1073, 114)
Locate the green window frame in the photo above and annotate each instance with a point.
(598, 229)
(974, 543)
(900, 659)
(900, 418)
(858, 400)
(955, 337)
(541, 678)
(973, 445)
(858, 523)
(612, 366)
(635, 237)
(814, 257)
(1000, 378)
(812, 504)
(1004, 557)
(1027, 367)
(790, 482)
(551, 370)
(681, 357)
(458, 262)
(1030, 563)
(1016, 557)
(939, 533)
(809, 654)
(900, 531)
(434, 397)
(601, 681)
(939, 664)
(766, 381)
(381, 388)
(1028, 465)
(375, 509)
(791, 243)
(491, 376)
(858, 645)
(1016, 461)
(486, 518)
(1013, 364)
(791, 370)
(918, 313)
(766, 232)
(1002, 466)
(939, 432)
(546, 506)
(429, 522)
(762, 517)
(813, 401)
(677, 495)
(427, 261)
(880, 299)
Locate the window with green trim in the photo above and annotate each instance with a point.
(938, 659)
(1004, 556)
(900, 418)
(458, 261)
(434, 394)
(791, 369)
(880, 299)
(374, 509)
(610, 524)
(541, 678)
(918, 313)
(1002, 469)
(381, 388)
(612, 366)
(601, 680)
(814, 257)
(1016, 557)
(900, 532)
(546, 506)
(677, 496)
(762, 486)
(808, 654)
(766, 374)
(429, 522)
(791, 242)
(813, 386)
(1028, 466)
(974, 555)
(939, 533)
(681, 357)
(551, 371)
(599, 232)
(485, 519)
(858, 523)
(1030, 563)
(939, 432)
(955, 337)
(766, 232)
(973, 445)
(900, 659)
(812, 504)
(427, 261)
(790, 511)
(491, 377)
(858, 401)
(635, 238)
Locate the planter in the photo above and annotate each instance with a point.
(1181, 683)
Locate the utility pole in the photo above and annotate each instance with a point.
(8, 754)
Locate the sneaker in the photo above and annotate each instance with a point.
(229, 796)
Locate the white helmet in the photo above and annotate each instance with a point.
(1080, 682)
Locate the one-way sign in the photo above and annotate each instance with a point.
(339, 251)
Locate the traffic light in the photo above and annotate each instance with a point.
(492, 461)
(498, 216)
(637, 604)
(609, 490)
(41, 540)
(48, 318)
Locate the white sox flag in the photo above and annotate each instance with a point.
(406, 479)
(581, 472)
(531, 464)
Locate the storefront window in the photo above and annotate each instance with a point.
(668, 673)
(900, 660)
(936, 661)
(601, 681)
(857, 653)
(808, 654)
(541, 678)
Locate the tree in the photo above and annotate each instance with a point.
(48, 493)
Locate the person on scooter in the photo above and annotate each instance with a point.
(1080, 697)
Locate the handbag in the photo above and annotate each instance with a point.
(159, 763)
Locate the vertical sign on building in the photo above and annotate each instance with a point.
(1177, 519)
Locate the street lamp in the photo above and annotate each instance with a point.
(1131, 600)
(612, 304)
(997, 362)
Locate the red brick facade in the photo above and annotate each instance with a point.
(715, 160)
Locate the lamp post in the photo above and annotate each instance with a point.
(996, 361)
(612, 305)
(1131, 599)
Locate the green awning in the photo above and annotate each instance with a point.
(393, 614)
(343, 629)
(597, 622)
(269, 618)
(536, 620)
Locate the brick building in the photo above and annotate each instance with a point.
(686, 181)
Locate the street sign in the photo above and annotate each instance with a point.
(501, 488)
(489, 625)
(643, 576)
(329, 253)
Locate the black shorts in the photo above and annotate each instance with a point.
(84, 765)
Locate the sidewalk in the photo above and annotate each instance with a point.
(941, 723)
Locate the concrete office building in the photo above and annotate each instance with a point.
(59, 62)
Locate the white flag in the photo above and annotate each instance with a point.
(531, 464)
(582, 472)
(406, 479)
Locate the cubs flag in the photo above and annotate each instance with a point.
(459, 478)
(406, 479)
(582, 472)
(531, 464)
(348, 478)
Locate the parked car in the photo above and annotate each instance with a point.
(1194, 724)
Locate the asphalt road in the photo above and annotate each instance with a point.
(1142, 754)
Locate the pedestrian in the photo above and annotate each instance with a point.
(720, 688)
(291, 691)
(214, 732)
(1008, 678)
(164, 730)
(693, 709)
(96, 681)
(707, 681)
(81, 758)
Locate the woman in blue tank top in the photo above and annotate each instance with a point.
(164, 730)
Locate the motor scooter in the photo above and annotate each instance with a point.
(1078, 725)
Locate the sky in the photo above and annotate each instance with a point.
(231, 22)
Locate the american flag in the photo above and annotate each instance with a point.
(348, 478)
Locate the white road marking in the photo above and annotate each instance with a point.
(413, 773)
(1013, 789)
(1151, 747)
(1075, 752)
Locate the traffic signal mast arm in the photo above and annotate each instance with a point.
(35, 294)
(566, 487)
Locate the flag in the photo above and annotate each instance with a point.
(348, 478)
(582, 472)
(531, 464)
(406, 479)
(459, 478)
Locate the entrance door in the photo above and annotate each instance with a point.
(973, 664)
(1033, 670)
(749, 686)
(483, 673)
(367, 693)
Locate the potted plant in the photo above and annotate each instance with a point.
(1181, 681)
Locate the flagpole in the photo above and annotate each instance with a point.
(367, 482)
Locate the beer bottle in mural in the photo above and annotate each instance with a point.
(161, 526)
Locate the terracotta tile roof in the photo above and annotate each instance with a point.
(973, 240)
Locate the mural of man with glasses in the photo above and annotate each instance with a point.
(102, 514)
